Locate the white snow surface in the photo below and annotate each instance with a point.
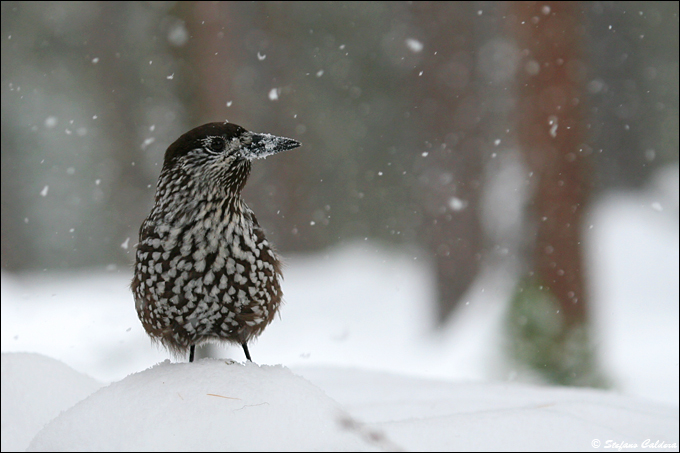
(215, 404)
(210, 405)
(35, 389)
(417, 414)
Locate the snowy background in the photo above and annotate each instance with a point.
(448, 148)
(388, 384)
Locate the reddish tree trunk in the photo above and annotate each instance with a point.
(548, 319)
(552, 134)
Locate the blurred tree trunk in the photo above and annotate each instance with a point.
(450, 169)
(549, 318)
(209, 59)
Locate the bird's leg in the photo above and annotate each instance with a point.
(245, 349)
(191, 353)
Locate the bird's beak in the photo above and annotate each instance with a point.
(264, 145)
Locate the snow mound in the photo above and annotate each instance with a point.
(35, 389)
(204, 406)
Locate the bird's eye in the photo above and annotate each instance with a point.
(217, 144)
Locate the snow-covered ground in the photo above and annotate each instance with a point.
(224, 405)
(356, 323)
(35, 389)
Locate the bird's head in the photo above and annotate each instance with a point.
(218, 155)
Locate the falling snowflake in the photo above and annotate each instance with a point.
(414, 45)
(456, 204)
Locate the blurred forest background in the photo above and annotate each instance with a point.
(478, 131)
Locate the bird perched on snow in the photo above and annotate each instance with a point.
(204, 270)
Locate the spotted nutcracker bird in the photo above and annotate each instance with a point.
(204, 271)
